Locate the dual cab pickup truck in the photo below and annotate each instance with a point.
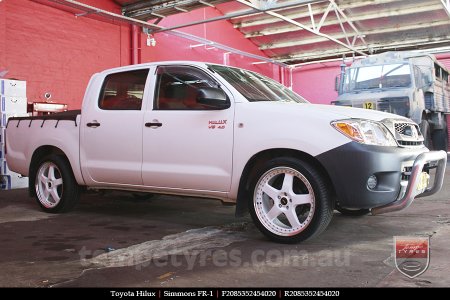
(206, 130)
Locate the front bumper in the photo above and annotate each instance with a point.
(411, 190)
(350, 165)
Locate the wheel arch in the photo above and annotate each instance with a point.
(38, 154)
(258, 160)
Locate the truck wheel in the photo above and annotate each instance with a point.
(426, 133)
(352, 212)
(440, 139)
(56, 188)
(291, 201)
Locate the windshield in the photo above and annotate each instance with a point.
(255, 87)
(378, 77)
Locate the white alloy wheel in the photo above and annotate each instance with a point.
(284, 201)
(49, 185)
(55, 187)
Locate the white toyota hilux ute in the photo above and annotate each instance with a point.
(206, 130)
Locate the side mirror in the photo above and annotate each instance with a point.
(214, 98)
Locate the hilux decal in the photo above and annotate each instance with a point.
(219, 124)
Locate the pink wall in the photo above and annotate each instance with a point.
(316, 82)
(56, 52)
(169, 47)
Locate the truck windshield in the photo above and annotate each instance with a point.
(255, 87)
(377, 77)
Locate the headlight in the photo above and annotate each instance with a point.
(365, 132)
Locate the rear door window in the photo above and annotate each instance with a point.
(123, 91)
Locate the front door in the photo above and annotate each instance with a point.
(187, 145)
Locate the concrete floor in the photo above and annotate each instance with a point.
(183, 242)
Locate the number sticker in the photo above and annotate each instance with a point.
(369, 105)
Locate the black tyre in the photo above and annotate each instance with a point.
(55, 186)
(352, 212)
(290, 200)
(426, 133)
(440, 139)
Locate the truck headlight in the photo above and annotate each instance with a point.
(365, 132)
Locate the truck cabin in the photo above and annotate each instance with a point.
(393, 71)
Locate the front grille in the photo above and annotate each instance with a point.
(400, 127)
(384, 106)
(395, 105)
(408, 134)
(409, 143)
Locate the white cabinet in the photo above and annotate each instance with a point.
(13, 88)
(13, 106)
(13, 103)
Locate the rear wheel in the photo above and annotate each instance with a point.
(291, 201)
(55, 186)
(426, 133)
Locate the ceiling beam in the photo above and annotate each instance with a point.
(140, 5)
(110, 15)
(446, 4)
(352, 18)
(338, 12)
(274, 14)
(145, 7)
(308, 41)
(278, 10)
(428, 51)
(89, 9)
(336, 52)
(305, 13)
(206, 3)
(231, 15)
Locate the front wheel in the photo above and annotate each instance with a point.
(291, 201)
(55, 186)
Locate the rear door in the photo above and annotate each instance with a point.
(111, 133)
(187, 145)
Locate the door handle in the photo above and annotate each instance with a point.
(93, 124)
(153, 124)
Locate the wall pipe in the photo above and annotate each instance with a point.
(135, 44)
(139, 23)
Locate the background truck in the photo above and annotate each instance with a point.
(205, 130)
(405, 83)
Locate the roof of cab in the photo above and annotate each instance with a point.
(151, 64)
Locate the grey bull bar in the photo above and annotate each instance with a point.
(411, 190)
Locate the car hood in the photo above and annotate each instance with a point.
(330, 112)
